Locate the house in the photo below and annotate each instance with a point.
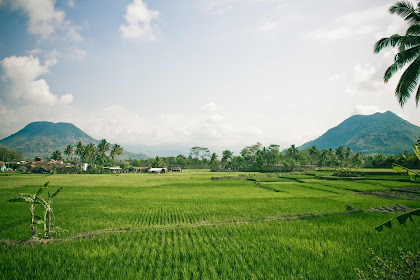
(175, 168)
(114, 169)
(2, 166)
(158, 170)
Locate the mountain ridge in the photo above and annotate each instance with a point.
(384, 133)
(41, 138)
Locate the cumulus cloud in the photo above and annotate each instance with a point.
(366, 110)
(22, 85)
(366, 22)
(139, 22)
(367, 79)
(44, 19)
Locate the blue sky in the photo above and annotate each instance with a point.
(215, 73)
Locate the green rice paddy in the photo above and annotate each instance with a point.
(188, 226)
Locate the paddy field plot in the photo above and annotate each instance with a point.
(188, 226)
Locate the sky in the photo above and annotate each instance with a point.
(212, 73)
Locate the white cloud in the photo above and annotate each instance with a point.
(366, 80)
(268, 26)
(366, 110)
(210, 107)
(44, 19)
(139, 22)
(22, 85)
(222, 6)
(365, 22)
(70, 3)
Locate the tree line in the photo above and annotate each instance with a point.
(260, 158)
(97, 156)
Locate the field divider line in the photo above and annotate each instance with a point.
(36, 240)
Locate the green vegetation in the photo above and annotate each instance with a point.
(408, 52)
(9, 154)
(381, 133)
(185, 225)
(41, 139)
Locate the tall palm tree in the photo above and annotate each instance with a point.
(116, 151)
(90, 153)
(79, 150)
(69, 151)
(103, 148)
(409, 52)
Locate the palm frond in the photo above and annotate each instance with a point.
(39, 191)
(418, 99)
(408, 82)
(18, 199)
(413, 30)
(57, 191)
(408, 42)
(402, 8)
(401, 59)
(406, 10)
(392, 41)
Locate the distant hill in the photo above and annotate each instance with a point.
(42, 138)
(378, 133)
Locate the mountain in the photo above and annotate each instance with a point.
(40, 139)
(161, 150)
(378, 133)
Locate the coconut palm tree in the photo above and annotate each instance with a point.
(69, 151)
(103, 148)
(116, 151)
(409, 52)
(79, 150)
(56, 155)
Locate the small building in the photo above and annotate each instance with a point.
(114, 169)
(2, 166)
(175, 168)
(158, 170)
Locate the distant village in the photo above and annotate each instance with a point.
(50, 166)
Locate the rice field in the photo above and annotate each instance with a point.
(188, 226)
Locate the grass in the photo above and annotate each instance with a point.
(187, 226)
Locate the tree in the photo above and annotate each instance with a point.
(69, 151)
(409, 52)
(80, 150)
(116, 151)
(56, 155)
(48, 209)
(31, 199)
(103, 148)
(158, 163)
(9, 154)
(89, 153)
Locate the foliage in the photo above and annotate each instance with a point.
(56, 155)
(9, 154)
(404, 267)
(36, 198)
(409, 52)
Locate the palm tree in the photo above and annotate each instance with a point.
(409, 52)
(56, 155)
(89, 153)
(69, 151)
(116, 151)
(103, 148)
(79, 150)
